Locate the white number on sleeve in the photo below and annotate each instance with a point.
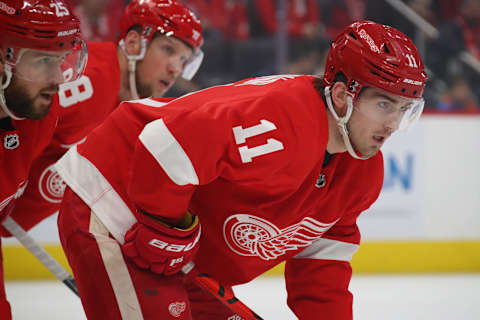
(75, 91)
(241, 134)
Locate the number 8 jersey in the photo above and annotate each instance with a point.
(247, 159)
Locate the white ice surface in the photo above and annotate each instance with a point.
(425, 297)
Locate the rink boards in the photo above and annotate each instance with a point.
(427, 218)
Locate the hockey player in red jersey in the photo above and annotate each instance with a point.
(40, 48)
(159, 41)
(248, 174)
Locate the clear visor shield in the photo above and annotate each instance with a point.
(397, 117)
(51, 66)
(193, 64)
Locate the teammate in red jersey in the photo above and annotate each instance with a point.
(248, 174)
(40, 48)
(159, 41)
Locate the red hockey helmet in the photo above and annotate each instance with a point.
(371, 54)
(45, 25)
(169, 17)
(37, 24)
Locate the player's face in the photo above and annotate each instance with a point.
(376, 115)
(35, 81)
(163, 63)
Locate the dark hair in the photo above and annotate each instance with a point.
(339, 77)
(318, 82)
(137, 28)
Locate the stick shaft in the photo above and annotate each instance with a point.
(204, 281)
(43, 256)
(221, 293)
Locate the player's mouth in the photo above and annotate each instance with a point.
(165, 83)
(379, 140)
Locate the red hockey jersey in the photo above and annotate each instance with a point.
(83, 105)
(247, 159)
(22, 141)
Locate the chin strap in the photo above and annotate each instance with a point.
(342, 122)
(4, 84)
(132, 63)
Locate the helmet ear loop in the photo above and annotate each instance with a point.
(8, 66)
(132, 62)
(8, 76)
(342, 121)
(4, 85)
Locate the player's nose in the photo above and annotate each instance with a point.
(56, 77)
(392, 123)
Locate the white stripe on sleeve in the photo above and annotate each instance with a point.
(149, 102)
(328, 249)
(92, 187)
(163, 146)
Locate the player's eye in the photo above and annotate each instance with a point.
(384, 105)
(45, 60)
(50, 60)
(168, 49)
(405, 108)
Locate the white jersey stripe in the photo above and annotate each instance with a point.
(149, 102)
(327, 249)
(92, 187)
(169, 154)
(117, 271)
(68, 146)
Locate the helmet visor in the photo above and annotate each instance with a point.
(193, 65)
(52, 66)
(397, 117)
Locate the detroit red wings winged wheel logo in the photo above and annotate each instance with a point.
(248, 235)
(177, 308)
(51, 185)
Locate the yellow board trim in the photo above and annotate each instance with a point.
(20, 264)
(413, 257)
(372, 257)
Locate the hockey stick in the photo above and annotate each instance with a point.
(46, 259)
(204, 281)
(224, 295)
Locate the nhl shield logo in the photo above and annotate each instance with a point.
(321, 181)
(11, 141)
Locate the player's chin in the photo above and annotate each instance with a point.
(372, 151)
(159, 92)
(41, 110)
(369, 151)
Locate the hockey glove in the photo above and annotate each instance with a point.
(153, 245)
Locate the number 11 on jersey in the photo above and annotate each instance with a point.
(242, 134)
